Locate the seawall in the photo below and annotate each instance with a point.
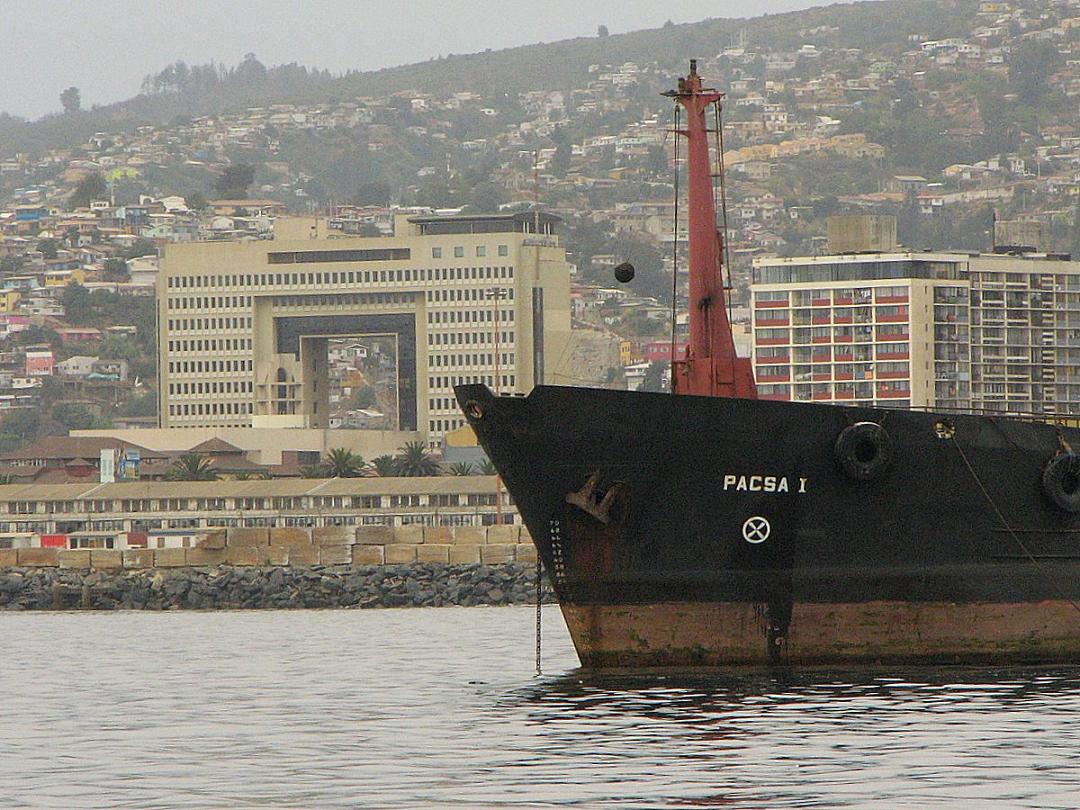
(366, 567)
(254, 587)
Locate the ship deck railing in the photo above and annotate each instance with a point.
(1063, 419)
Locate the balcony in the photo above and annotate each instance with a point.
(772, 375)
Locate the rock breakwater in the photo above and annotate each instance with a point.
(238, 587)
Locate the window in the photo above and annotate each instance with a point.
(481, 250)
(459, 252)
(436, 253)
(504, 250)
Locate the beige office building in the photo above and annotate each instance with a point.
(981, 332)
(244, 326)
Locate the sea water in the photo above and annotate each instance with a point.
(442, 708)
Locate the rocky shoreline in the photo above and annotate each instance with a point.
(269, 587)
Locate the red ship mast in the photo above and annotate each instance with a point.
(710, 366)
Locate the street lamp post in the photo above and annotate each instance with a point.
(497, 294)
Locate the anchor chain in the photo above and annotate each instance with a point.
(539, 603)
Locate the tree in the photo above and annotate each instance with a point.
(313, 471)
(413, 460)
(343, 463)
(69, 100)
(91, 187)
(602, 31)
(9, 442)
(364, 397)
(1031, 64)
(78, 309)
(74, 416)
(141, 405)
(235, 181)
(384, 466)
(560, 161)
(654, 376)
(485, 467)
(140, 247)
(26, 424)
(195, 200)
(376, 192)
(192, 467)
(47, 248)
(10, 264)
(116, 270)
(460, 468)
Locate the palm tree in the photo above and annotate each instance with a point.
(250, 476)
(460, 468)
(414, 460)
(342, 463)
(313, 471)
(485, 467)
(384, 466)
(192, 467)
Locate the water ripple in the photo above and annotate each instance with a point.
(438, 708)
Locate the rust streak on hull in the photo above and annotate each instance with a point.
(715, 634)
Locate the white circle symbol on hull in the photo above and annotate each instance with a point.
(756, 530)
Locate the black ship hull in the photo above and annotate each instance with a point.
(698, 531)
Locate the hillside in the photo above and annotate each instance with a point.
(563, 65)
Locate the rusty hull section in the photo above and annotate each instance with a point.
(717, 634)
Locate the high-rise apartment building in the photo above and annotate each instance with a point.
(981, 332)
(244, 326)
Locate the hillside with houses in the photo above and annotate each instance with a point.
(947, 114)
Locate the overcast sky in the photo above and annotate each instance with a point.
(106, 47)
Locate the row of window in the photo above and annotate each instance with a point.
(459, 251)
(210, 409)
(439, 316)
(469, 294)
(840, 390)
(450, 404)
(864, 352)
(224, 387)
(467, 338)
(200, 324)
(857, 271)
(209, 302)
(823, 297)
(211, 345)
(805, 317)
(453, 360)
(409, 274)
(436, 383)
(444, 425)
(383, 518)
(200, 366)
(277, 503)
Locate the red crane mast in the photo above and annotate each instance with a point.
(709, 366)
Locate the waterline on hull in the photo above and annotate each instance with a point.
(716, 634)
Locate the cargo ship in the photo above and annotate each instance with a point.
(709, 528)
